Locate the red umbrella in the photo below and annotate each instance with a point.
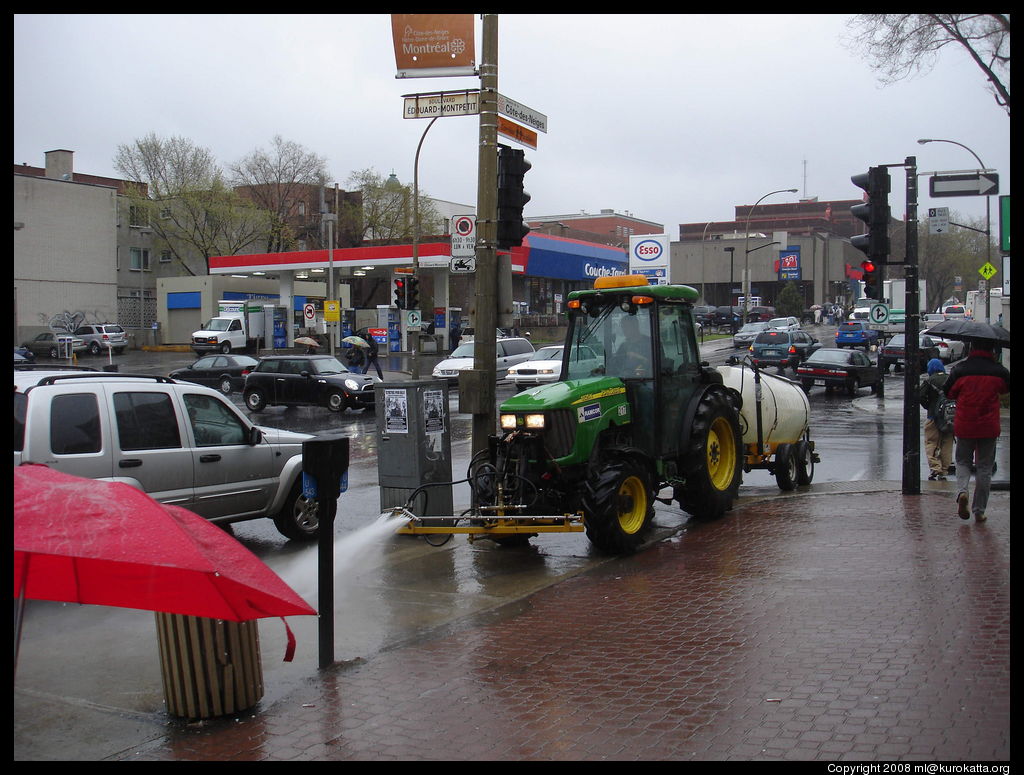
(104, 543)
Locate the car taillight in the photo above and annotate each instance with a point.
(245, 371)
(792, 349)
(105, 336)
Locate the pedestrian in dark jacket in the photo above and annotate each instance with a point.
(976, 383)
(938, 441)
(371, 357)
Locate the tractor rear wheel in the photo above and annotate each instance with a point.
(712, 460)
(618, 506)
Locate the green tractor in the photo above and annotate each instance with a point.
(634, 412)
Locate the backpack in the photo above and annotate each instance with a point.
(945, 410)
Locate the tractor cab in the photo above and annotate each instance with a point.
(646, 337)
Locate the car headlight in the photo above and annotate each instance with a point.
(352, 385)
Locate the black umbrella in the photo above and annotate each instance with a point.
(972, 331)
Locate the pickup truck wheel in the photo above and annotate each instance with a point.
(712, 459)
(299, 519)
(618, 506)
(255, 400)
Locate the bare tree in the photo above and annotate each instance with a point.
(186, 201)
(277, 180)
(900, 44)
(943, 257)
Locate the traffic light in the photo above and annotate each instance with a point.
(870, 277)
(412, 292)
(875, 213)
(400, 292)
(512, 167)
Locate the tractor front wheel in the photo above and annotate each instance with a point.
(618, 507)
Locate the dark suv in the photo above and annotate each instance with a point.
(307, 380)
(728, 317)
(782, 348)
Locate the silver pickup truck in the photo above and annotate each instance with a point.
(179, 442)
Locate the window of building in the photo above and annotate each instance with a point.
(140, 260)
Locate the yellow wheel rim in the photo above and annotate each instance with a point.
(633, 511)
(721, 454)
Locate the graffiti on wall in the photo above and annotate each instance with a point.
(69, 322)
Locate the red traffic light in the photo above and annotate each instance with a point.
(868, 266)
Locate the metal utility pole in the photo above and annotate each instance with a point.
(477, 387)
(911, 409)
(416, 233)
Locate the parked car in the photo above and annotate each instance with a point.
(546, 365)
(782, 348)
(23, 355)
(181, 443)
(99, 337)
(949, 349)
(224, 372)
(760, 314)
(837, 368)
(510, 352)
(746, 335)
(307, 380)
(856, 333)
(728, 316)
(703, 314)
(784, 324)
(894, 352)
(47, 344)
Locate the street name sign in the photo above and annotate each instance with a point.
(978, 184)
(456, 103)
(524, 115)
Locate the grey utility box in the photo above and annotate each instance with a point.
(414, 446)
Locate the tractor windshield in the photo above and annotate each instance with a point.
(606, 339)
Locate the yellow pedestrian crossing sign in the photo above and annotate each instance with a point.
(987, 270)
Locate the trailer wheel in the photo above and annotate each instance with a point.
(804, 463)
(712, 462)
(786, 467)
(618, 506)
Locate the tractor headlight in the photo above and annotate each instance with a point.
(533, 422)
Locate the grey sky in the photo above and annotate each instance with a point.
(673, 118)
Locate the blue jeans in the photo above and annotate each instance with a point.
(981, 453)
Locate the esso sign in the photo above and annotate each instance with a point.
(648, 250)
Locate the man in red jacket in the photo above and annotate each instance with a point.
(976, 383)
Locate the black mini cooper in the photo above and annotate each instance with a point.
(307, 380)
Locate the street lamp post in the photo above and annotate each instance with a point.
(746, 252)
(988, 213)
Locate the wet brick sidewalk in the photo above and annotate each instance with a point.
(864, 627)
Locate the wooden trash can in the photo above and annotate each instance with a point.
(210, 667)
